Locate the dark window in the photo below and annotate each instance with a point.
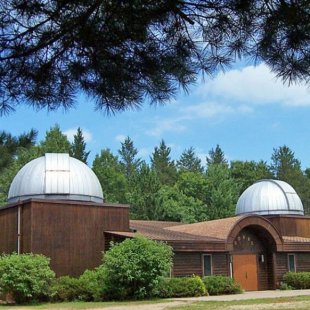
(207, 265)
(291, 263)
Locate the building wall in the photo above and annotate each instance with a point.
(291, 225)
(70, 233)
(8, 234)
(188, 264)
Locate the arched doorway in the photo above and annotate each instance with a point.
(252, 260)
(252, 243)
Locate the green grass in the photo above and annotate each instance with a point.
(81, 305)
(303, 303)
(283, 303)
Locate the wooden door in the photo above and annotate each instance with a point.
(245, 271)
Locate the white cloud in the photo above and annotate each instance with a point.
(72, 131)
(168, 124)
(254, 85)
(120, 138)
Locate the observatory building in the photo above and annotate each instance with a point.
(56, 208)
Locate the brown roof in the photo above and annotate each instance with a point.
(213, 229)
(216, 230)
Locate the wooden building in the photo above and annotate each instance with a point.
(268, 237)
(56, 208)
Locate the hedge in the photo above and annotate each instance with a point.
(297, 280)
(179, 287)
(221, 285)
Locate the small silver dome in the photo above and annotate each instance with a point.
(56, 176)
(267, 197)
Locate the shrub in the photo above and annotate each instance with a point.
(133, 268)
(218, 285)
(297, 280)
(26, 276)
(92, 282)
(179, 287)
(65, 289)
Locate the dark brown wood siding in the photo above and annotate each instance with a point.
(220, 264)
(188, 264)
(8, 226)
(72, 235)
(281, 267)
(302, 261)
(292, 225)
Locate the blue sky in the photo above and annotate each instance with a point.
(247, 111)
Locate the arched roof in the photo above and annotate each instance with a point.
(56, 176)
(267, 197)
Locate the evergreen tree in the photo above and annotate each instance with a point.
(9, 145)
(163, 165)
(245, 173)
(55, 141)
(121, 52)
(189, 161)
(142, 196)
(109, 172)
(78, 147)
(216, 156)
(284, 165)
(128, 158)
(222, 192)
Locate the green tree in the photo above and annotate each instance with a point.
(189, 161)
(163, 165)
(49, 51)
(134, 267)
(128, 158)
(142, 195)
(109, 172)
(7, 174)
(55, 141)
(222, 192)
(173, 205)
(245, 173)
(9, 145)
(284, 165)
(216, 156)
(192, 184)
(78, 147)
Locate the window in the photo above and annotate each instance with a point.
(207, 265)
(291, 262)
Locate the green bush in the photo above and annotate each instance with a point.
(92, 282)
(219, 285)
(179, 287)
(26, 276)
(133, 268)
(65, 289)
(297, 280)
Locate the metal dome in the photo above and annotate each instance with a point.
(267, 197)
(56, 176)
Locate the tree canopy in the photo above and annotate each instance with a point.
(123, 52)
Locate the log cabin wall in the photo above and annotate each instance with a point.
(302, 261)
(188, 264)
(281, 267)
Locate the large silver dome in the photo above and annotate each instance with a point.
(267, 197)
(56, 176)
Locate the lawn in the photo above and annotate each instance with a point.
(284, 303)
